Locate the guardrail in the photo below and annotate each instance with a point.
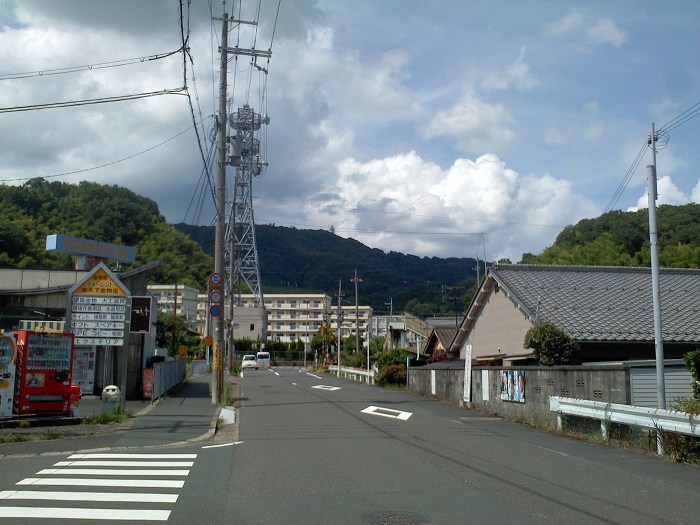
(356, 374)
(650, 418)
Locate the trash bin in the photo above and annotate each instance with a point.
(75, 395)
(111, 398)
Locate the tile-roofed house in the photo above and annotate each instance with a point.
(607, 310)
(439, 342)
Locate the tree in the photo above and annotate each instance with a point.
(551, 345)
(166, 329)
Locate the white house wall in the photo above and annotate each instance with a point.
(499, 329)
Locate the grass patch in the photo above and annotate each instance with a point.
(119, 415)
(12, 437)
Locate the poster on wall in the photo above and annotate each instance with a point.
(513, 385)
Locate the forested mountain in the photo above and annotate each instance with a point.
(93, 211)
(291, 260)
(315, 261)
(622, 239)
(318, 261)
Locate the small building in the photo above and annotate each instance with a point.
(607, 310)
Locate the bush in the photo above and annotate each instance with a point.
(551, 345)
(692, 363)
(397, 356)
(392, 375)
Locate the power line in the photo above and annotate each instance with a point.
(121, 98)
(687, 115)
(88, 67)
(101, 165)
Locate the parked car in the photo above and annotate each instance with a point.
(249, 361)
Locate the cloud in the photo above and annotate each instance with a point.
(599, 32)
(476, 125)
(668, 193)
(518, 74)
(382, 201)
(604, 31)
(566, 25)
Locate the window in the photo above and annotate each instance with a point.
(252, 327)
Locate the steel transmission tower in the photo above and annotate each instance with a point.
(243, 268)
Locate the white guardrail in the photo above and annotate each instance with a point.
(651, 418)
(356, 374)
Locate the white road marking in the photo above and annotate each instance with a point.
(276, 373)
(112, 472)
(552, 450)
(224, 444)
(104, 482)
(325, 387)
(313, 375)
(387, 412)
(132, 456)
(84, 514)
(89, 496)
(124, 464)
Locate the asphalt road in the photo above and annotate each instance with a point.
(314, 451)
(307, 449)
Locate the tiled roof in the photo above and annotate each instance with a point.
(598, 303)
(445, 335)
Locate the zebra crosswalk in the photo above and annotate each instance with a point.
(129, 486)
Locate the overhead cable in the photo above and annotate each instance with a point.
(89, 67)
(121, 98)
(65, 174)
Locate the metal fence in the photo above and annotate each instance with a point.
(356, 374)
(168, 374)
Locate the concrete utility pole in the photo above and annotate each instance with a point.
(656, 288)
(219, 247)
(340, 318)
(357, 280)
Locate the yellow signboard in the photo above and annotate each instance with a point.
(208, 340)
(99, 283)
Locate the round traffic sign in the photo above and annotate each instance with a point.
(216, 278)
(215, 310)
(216, 296)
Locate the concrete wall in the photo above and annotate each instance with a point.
(599, 383)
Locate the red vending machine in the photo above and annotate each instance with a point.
(7, 374)
(44, 366)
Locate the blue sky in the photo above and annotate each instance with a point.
(424, 127)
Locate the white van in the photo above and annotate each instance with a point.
(263, 359)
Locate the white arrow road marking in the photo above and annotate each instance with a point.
(387, 412)
(324, 387)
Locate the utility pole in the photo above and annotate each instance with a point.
(357, 280)
(391, 316)
(219, 247)
(656, 292)
(340, 318)
(175, 323)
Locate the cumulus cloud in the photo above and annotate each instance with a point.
(668, 193)
(381, 201)
(602, 31)
(476, 125)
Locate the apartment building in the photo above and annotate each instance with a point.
(298, 317)
(181, 299)
(290, 317)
